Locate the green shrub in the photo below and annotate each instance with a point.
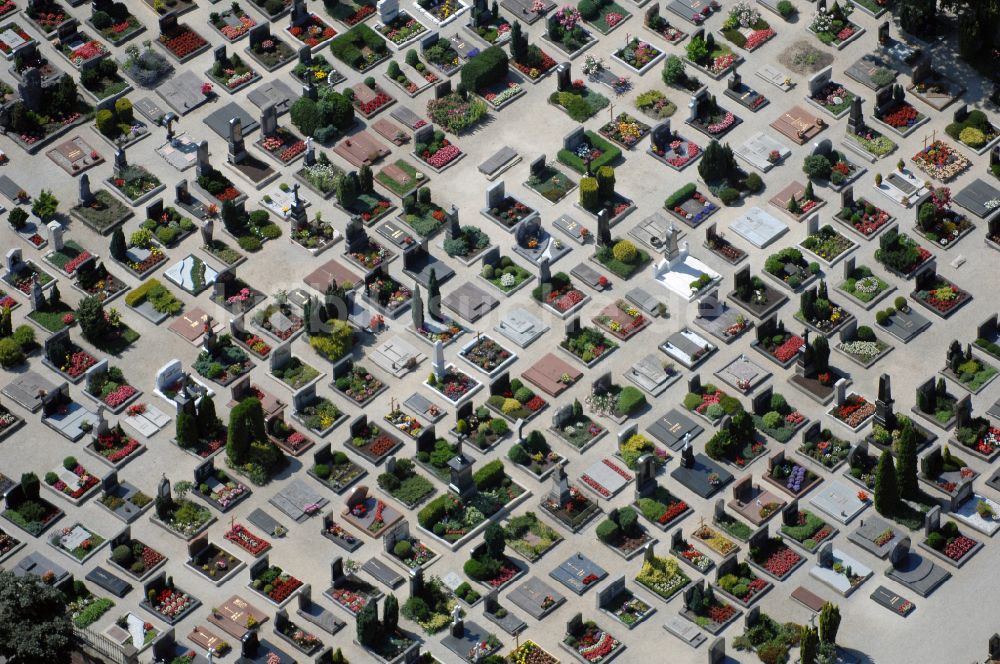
(588, 193)
(624, 251)
(680, 196)
(753, 183)
(490, 475)
(628, 519)
(630, 400)
(786, 8)
(882, 317)
(673, 70)
(972, 137)
(485, 69)
(817, 166)
(728, 195)
(772, 419)
(475, 570)
(402, 549)
(936, 541)
(608, 531)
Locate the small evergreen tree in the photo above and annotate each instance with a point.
(808, 646)
(829, 623)
(55, 297)
(208, 421)
(367, 625)
(118, 247)
(886, 490)
(906, 452)
(390, 615)
(493, 538)
(366, 179)
(434, 296)
(90, 314)
(6, 328)
(186, 431)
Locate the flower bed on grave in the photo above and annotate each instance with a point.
(832, 27)
(940, 161)
(142, 240)
(134, 182)
(530, 652)
(712, 403)
(224, 363)
(453, 385)
(312, 32)
(638, 54)
(679, 153)
(980, 436)
(232, 33)
(738, 444)
(70, 359)
(226, 494)
(599, 151)
(530, 536)
(592, 643)
(116, 448)
(338, 472)
(451, 519)
(621, 319)
(401, 29)
(940, 294)
(85, 483)
(136, 558)
(405, 484)
(182, 42)
(864, 217)
(351, 12)
(47, 15)
(821, 313)
(745, 28)
(498, 94)
(588, 344)
(624, 130)
(359, 385)
(439, 153)
(275, 584)
(900, 254)
(483, 437)
(111, 388)
(388, 293)
(375, 444)
(950, 542)
(283, 144)
(776, 558)
(716, 59)
(790, 268)
(183, 517)
(874, 142)
(535, 455)
(510, 212)
(5, 48)
(318, 71)
(827, 243)
(580, 102)
(84, 50)
(486, 354)
(743, 585)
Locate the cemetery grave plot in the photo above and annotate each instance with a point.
(247, 540)
(587, 344)
(621, 603)
(406, 485)
(75, 156)
(213, 562)
(122, 499)
(400, 178)
(78, 542)
(505, 210)
(708, 56)
(743, 94)
(181, 517)
(669, 147)
(272, 582)
(864, 218)
(582, 147)
(914, 571)
(132, 630)
(621, 319)
(837, 501)
(743, 374)
(758, 227)
(752, 502)
(527, 406)
(903, 187)
(819, 313)
(585, 640)
(707, 610)
(977, 197)
(606, 478)
(829, 95)
(945, 472)
(369, 514)
(788, 421)
(223, 361)
(839, 571)
(108, 385)
(690, 205)
(833, 27)
(689, 554)
(318, 69)
(236, 617)
(536, 244)
(624, 130)
(863, 286)
(688, 348)
(233, 23)
(938, 294)
(9, 423)
(890, 600)
(746, 29)
(16, 39)
(798, 125)
(399, 28)
(933, 88)
(893, 111)
(309, 29)
(711, 119)
(166, 601)
(762, 152)
(973, 129)
(938, 222)
(550, 183)
(339, 535)
(20, 274)
(773, 557)
(862, 346)
(722, 247)
(738, 582)
(69, 360)
(180, 41)
(218, 488)
(755, 296)
(790, 269)
(579, 101)
(805, 528)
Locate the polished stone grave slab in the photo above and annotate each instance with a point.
(218, 120)
(838, 501)
(295, 497)
(521, 326)
(670, 429)
(758, 227)
(384, 574)
(974, 196)
(574, 570)
(532, 595)
(470, 302)
(274, 92)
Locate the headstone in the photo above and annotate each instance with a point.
(495, 195)
(207, 230)
(687, 452)
(37, 296)
(388, 10)
(55, 233)
(86, 196)
(281, 355)
(932, 520)
(309, 91)
(121, 162)
(544, 272)
(825, 555)
(13, 260)
(900, 553)
(820, 80)
(883, 404)
(645, 476)
(299, 12)
(559, 493)
(269, 120)
(237, 146)
(417, 309)
(203, 167)
(790, 513)
(717, 651)
(735, 82)
(537, 165)
(856, 119)
(883, 33)
(163, 488)
(604, 228)
(310, 158)
(181, 193)
(30, 89)
(452, 229)
(561, 416)
(437, 361)
(963, 412)
(572, 140)
(424, 134)
(563, 75)
(442, 89)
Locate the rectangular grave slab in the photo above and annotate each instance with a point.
(218, 120)
(384, 574)
(695, 478)
(684, 631)
(275, 92)
(838, 501)
(973, 197)
(426, 409)
(758, 227)
(25, 389)
(894, 602)
(470, 302)
(587, 275)
(808, 599)
(650, 375)
(905, 326)
(404, 115)
(521, 326)
(869, 529)
(672, 428)
(182, 93)
(572, 572)
(295, 497)
(501, 160)
(531, 594)
(108, 581)
(265, 522)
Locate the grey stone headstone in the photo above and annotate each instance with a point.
(537, 165)
(661, 133)
(259, 33)
(310, 158)
(30, 89)
(429, 40)
(719, 508)
(573, 139)
(269, 120)
(561, 416)
(899, 554)
(820, 79)
(13, 259)
(309, 91)
(604, 227)
(424, 134)
(203, 166)
(388, 10)
(417, 308)
(121, 162)
(110, 482)
(572, 326)
(305, 55)
(495, 195)
(437, 360)
(36, 295)
(932, 520)
(207, 231)
(717, 651)
(55, 233)
(563, 76)
(825, 555)
(281, 355)
(219, 53)
(237, 146)
(442, 89)
(86, 196)
(163, 488)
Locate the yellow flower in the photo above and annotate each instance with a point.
(320, 75)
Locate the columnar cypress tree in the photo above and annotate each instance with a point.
(821, 354)
(808, 646)
(55, 297)
(390, 615)
(886, 490)
(238, 439)
(493, 537)
(434, 296)
(906, 469)
(186, 431)
(367, 624)
(829, 623)
(6, 328)
(207, 419)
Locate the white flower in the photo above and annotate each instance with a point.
(507, 280)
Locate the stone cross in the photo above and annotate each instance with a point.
(687, 452)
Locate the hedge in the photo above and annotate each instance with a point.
(609, 154)
(489, 475)
(485, 69)
(346, 47)
(679, 196)
(137, 296)
(630, 400)
(433, 511)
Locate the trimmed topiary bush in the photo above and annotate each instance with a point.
(624, 251)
